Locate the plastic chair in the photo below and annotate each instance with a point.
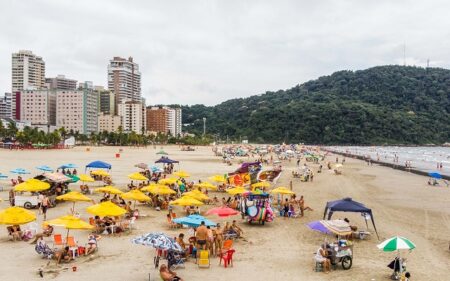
(72, 246)
(92, 221)
(227, 244)
(203, 260)
(57, 240)
(227, 258)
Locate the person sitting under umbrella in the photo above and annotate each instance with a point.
(167, 274)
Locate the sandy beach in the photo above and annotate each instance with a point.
(402, 203)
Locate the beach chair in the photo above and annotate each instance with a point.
(227, 244)
(227, 258)
(57, 240)
(175, 260)
(73, 248)
(203, 259)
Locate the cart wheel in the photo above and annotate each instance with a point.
(346, 262)
(28, 205)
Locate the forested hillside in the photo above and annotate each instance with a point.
(380, 105)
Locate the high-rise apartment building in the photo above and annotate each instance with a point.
(174, 122)
(124, 79)
(28, 73)
(6, 106)
(77, 110)
(106, 101)
(157, 119)
(164, 120)
(60, 82)
(108, 122)
(37, 107)
(133, 116)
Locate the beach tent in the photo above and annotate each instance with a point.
(348, 205)
(99, 165)
(166, 160)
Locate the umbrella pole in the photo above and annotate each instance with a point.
(67, 236)
(73, 208)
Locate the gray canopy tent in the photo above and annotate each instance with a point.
(348, 205)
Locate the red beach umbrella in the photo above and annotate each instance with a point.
(222, 211)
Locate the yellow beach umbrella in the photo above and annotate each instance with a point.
(163, 190)
(16, 215)
(32, 185)
(100, 173)
(261, 184)
(182, 174)
(218, 178)
(86, 178)
(137, 176)
(282, 190)
(168, 181)
(152, 186)
(135, 195)
(236, 190)
(106, 209)
(196, 195)
(73, 196)
(108, 189)
(69, 222)
(186, 201)
(206, 185)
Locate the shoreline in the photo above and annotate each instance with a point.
(385, 164)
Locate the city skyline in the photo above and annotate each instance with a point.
(218, 50)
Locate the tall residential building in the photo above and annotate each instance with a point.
(28, 73)
(164, 120)
(174, 122)
(60, 82)
(106, 101)
(157, 119)
(36, 106)
(6, 106)
(108, 122)
(133, 116)
(124, 79)
(77, 110)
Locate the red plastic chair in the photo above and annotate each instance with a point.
(227, 258)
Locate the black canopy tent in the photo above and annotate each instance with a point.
(348, 205)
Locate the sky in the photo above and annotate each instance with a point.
(209, 51)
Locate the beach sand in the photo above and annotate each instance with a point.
(403, 204)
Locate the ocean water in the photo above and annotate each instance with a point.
(421, 158)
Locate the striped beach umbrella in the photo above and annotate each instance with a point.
(396, 243)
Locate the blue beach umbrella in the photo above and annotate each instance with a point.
(45, 168)
(158, 240)
(20, 171)
(435, 175)
(2, 176)
(194, 221)
(68, 166)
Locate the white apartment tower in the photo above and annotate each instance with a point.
(28, 73)
(124, 79)
(133, 115)
(174, 121)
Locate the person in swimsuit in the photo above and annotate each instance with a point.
(167, 274)
(210, 240)
(218, 238)
(201, 236)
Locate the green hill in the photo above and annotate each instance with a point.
(379, 105)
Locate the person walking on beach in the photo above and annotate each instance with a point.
(45, 205)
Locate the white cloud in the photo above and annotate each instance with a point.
(210, 51)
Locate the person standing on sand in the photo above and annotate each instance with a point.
(303, 208)
(201, 236)
(45, 205)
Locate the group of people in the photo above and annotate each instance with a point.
(292, 204)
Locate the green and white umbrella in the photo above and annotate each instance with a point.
(396, 243)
